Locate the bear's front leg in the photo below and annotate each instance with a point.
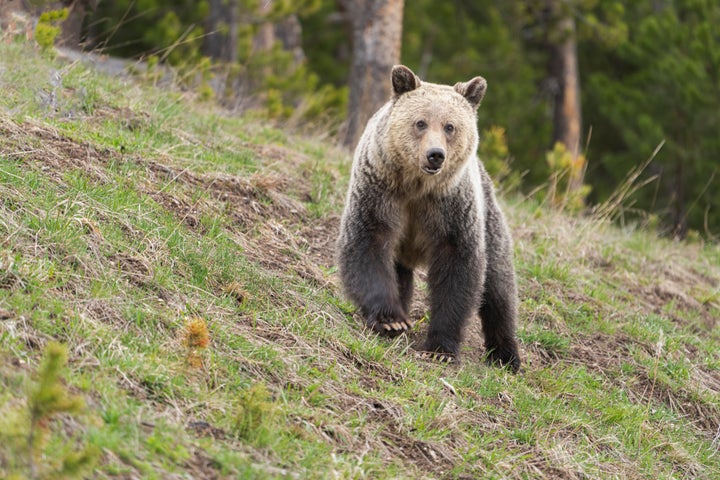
(370, 277)
(454, 279)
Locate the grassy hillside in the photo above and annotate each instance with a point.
(132, 217)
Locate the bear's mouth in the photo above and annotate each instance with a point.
(431, 170)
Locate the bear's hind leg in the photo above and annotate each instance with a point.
(499, 307)
(498, 313)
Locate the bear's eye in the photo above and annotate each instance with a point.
(421, 125)
(449, 128)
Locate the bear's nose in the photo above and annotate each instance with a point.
(436, 156)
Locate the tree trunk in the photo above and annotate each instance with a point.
(564, 68)
(11, 11)
(567, 117)
(71, 32)
(377, 31)
(221, 40)
(289, 33)
(679, 213)
(265, 36)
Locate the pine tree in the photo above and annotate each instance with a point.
(662, 85)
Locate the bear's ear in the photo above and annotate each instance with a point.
(403, 80)
(473, 91)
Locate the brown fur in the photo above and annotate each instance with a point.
(418, 196)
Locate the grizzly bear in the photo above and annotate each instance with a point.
(419, 196)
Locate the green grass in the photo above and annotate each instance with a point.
(126, 210)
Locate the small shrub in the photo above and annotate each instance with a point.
(25, 430)
(195, 338)
(495, 155)
(255, 416)
(48, 27)
(566, 190)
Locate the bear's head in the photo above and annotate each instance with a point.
(432, 129)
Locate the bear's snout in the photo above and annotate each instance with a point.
(435, 158)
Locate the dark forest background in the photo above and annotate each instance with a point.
(590, 102)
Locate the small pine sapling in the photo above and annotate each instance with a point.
(195, 338)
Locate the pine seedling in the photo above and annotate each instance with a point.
(195, 338)
(255, 416)
(48, 398)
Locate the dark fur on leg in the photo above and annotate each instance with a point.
(371, 281)
(499, 308)
(454, 281)
(499, 329)
(405, 282)
(371, 277)
(498, 314)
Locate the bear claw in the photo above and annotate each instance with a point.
(439, 357)
(390, 326)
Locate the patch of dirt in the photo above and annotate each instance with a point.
(600, 353)
(278, 153)
(134, 268)
(200, 465)
(246, 199)
(52, 152)
(676, 285)
(271, 227)
(705, 416)
(320, 240)
(185, 211)
(103, 311)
